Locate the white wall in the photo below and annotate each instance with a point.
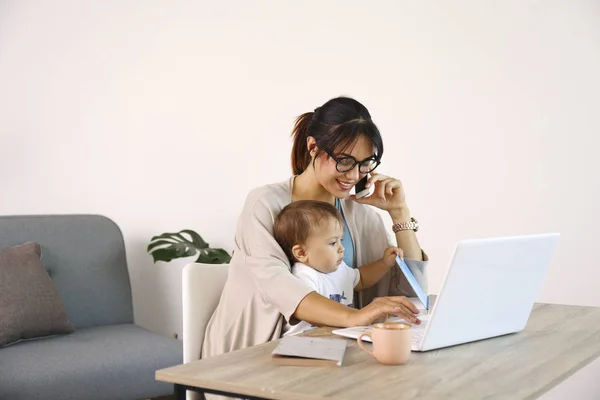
(163, 115)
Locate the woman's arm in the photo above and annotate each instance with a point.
(320, 311)
(389, 196)
(266, 264)
(407, 240)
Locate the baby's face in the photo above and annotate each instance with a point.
(324, 248)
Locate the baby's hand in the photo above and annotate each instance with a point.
(389, 256)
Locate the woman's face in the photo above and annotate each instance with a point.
(337, 183)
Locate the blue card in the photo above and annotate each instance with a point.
(413, 282)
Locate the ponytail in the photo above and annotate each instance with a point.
(300, 153)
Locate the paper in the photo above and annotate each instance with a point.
(423, 298)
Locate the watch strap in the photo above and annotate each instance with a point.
(412, 225)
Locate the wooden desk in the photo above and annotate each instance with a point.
(557, 341)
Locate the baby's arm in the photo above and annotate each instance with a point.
(370, 274)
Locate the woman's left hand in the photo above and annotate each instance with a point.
(388, 194)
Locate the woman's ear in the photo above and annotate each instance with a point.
(311, 145)
(299, 253)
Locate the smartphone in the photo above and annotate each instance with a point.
(360, 188)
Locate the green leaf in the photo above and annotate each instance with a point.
(170, 253)
(173, 236)
(158, 243)
(214, 256)
(197, 239)
(169, 246)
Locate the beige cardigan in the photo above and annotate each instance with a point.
(261, 293)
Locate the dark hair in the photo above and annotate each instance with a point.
(293, 224)
(336, 125)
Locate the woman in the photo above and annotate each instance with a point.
(334, 147)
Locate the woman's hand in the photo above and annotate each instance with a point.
(389, 256)
(388, 195)
(382, 307)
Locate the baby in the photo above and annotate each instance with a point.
(310, 233)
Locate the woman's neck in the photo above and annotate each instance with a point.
(306, 187)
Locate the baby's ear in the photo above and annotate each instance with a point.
(299, 253)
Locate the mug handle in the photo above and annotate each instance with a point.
(361, 343)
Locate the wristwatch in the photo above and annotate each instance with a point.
(413, 224)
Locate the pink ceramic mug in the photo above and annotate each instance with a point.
(392, 342)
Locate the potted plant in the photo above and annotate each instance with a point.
(185, 243)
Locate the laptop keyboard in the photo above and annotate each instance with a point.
(418, 331)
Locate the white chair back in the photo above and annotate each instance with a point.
(201, 288)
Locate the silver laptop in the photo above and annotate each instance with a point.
(489, 290)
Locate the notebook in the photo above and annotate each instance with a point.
(309, 351)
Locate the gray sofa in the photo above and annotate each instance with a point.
(108, 356)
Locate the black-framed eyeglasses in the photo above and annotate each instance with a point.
(346, 163)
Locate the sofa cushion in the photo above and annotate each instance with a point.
(108, 362)
(30, 305)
